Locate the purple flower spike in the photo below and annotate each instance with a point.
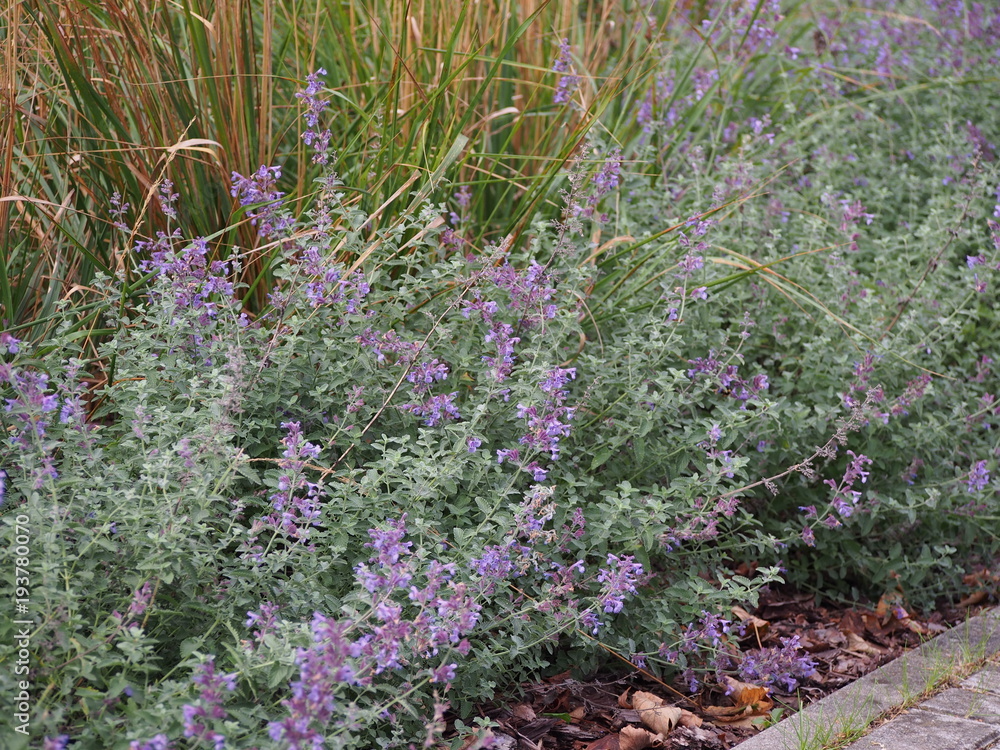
(619, 579)
(979, 477)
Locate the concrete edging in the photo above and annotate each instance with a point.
(857, 705)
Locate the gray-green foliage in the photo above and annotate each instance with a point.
(688, 375)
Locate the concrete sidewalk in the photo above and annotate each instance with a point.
(965, 717)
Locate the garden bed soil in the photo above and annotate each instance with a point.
(564, 712)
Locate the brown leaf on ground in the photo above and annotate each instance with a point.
(859, 645)
(889, 603)
(524, 712)
(755, 625)
(695, 739)
(823, 639)
(655, 713)
(745, 694)
(607, 742)
(636, 738)
(976, 597)
(690, 720)
(851, 622)
(750, 701)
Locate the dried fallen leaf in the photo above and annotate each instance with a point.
(852, 622)
(607, 742)
(690, 720)
(578, 713)
(858, 645)
(976, 597)
(524, 712)
(745, 694)
(637, 738)
(655, 713)
(750, 701)
(891, 605)
(755, 625)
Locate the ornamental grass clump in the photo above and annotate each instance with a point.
(333, 470)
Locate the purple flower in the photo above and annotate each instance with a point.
(619, 579)
(555, 380)
(264, 621)
(537, 472)
(118, 210)
(808, 536)
(9, 343)
(472, 444)
(508, 454)
(426, 373)
(261, 188)
(212, 688)
(436, 409)
(444, 673)
(320, 141)
(979, 477)
(609, 177)
(140, 600)
(159, 742)
(689, 264)
(167, 199)
(782, 666)
(496, 565)
(568, 82)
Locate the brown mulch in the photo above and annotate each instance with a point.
(845, 642)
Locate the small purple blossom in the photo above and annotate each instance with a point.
(159, 742)
(319, 140)
(508, 454)
(568, 82)
(444, 673)
(619, 579)
(783, 666)
(140, 600)
(167, 199)
(609, 176)
(978, 478)
(118, 211)
(497, 564)
(689, 264)
(212, 689)
(436, 409)
(259, 190)
(426, 373)
(9, 344)
(264, 621)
